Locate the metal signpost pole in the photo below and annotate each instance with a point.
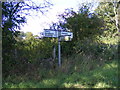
(54, 52)
(57, 34)
(59, 53)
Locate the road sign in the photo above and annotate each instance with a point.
(55, 33)
(69, 34)
(50, 33)
(61, 35)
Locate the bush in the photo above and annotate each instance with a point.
(106, 51)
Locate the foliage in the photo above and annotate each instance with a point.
(106, 51)
(10, 20)
(93, 67)
(83, 23)
(33, 49)
(97, 26)
(105, 11)
(102, 77)
(86, 61)
(13, 17)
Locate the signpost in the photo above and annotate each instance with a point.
(59, 53)
(50, 33)
(56, 34)
(61, 35)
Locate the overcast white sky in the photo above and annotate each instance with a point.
(37, 24)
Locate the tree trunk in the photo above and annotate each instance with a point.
(117, 14)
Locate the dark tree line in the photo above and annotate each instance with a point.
(13, 17)
(88, 28)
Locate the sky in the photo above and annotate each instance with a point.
(37, 24)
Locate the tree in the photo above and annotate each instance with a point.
(83, 23)
(116, 9)
(106, 11)
(116, 6)
(13, 17)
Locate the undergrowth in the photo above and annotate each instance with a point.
(91, 66)
(105, 76)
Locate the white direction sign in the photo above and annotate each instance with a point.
(50, 33)
(63, 33)
(55, 33)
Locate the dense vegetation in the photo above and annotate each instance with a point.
(90, 60)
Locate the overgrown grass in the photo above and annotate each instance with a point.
(95, 66)
(102, 77)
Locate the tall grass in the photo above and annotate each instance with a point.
(101, 77)
(92, 65)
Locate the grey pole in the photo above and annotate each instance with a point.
(54, 52)
(59, 53)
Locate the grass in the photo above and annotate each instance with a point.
(102, 77)
(78, 71)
